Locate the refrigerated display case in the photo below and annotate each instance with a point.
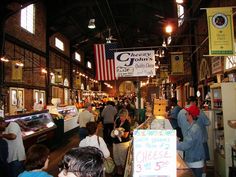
(69, 114)
(36, 127)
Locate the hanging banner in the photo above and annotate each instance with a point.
(177, 63)
(135, 63)
(91, 84)
(100, 86)
(154, 153)
(220, 31)
(164, 71)
(16, 72)
(58, 76)
(77, 81)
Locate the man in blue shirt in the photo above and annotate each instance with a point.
(192, 143)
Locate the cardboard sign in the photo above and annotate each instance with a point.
(154, 153)
(159, 107)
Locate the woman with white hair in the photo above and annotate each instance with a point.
(121, 140)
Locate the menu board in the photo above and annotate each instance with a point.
(154, 153)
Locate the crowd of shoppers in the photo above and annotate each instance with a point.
(88, 158)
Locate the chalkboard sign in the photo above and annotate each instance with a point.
(154, 153)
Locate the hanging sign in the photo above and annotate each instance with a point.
(77, 81)
(154, 153)
(177, 63)
(220, 31)
(58, 76)
(135, 63)
(16, 74)
(216, 65)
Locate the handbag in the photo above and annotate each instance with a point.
(109, 164)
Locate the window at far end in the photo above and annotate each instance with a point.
(89, 65)
(59, 44)
(27, 20)
(77, 56)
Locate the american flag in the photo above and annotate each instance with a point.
(105, 64)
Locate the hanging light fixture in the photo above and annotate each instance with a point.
(91, 24)
(19, 63)
(164, 43)
(43, 70)
(4, 59)
(179, 1)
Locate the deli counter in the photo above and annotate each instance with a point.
(156, 124)
(36, 127)
(68, 113)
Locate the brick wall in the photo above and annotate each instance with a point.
(37, 40)
(32, 65)
(64, 40)
(58, 62)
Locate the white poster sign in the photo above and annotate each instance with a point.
(135, 63)
(154, 153)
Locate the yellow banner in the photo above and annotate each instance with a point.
(164, 74)
(16, 72)
(77, 81)
(220, 31)
(58, 76)
(177, 63)
(91, 83)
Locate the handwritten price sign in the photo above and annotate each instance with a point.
(154, 153)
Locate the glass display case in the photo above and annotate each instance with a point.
(69, 114)
(36, 127)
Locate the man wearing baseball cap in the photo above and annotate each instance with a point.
(192, 143)
(203, 121)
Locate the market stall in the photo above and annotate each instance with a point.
(68, 113)
(36, 127)
(155, 124)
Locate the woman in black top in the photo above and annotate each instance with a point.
(121, 140)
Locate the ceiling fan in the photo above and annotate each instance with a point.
(110, 38)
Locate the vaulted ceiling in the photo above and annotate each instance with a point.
(130, 23)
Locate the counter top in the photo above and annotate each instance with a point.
(182, 169)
